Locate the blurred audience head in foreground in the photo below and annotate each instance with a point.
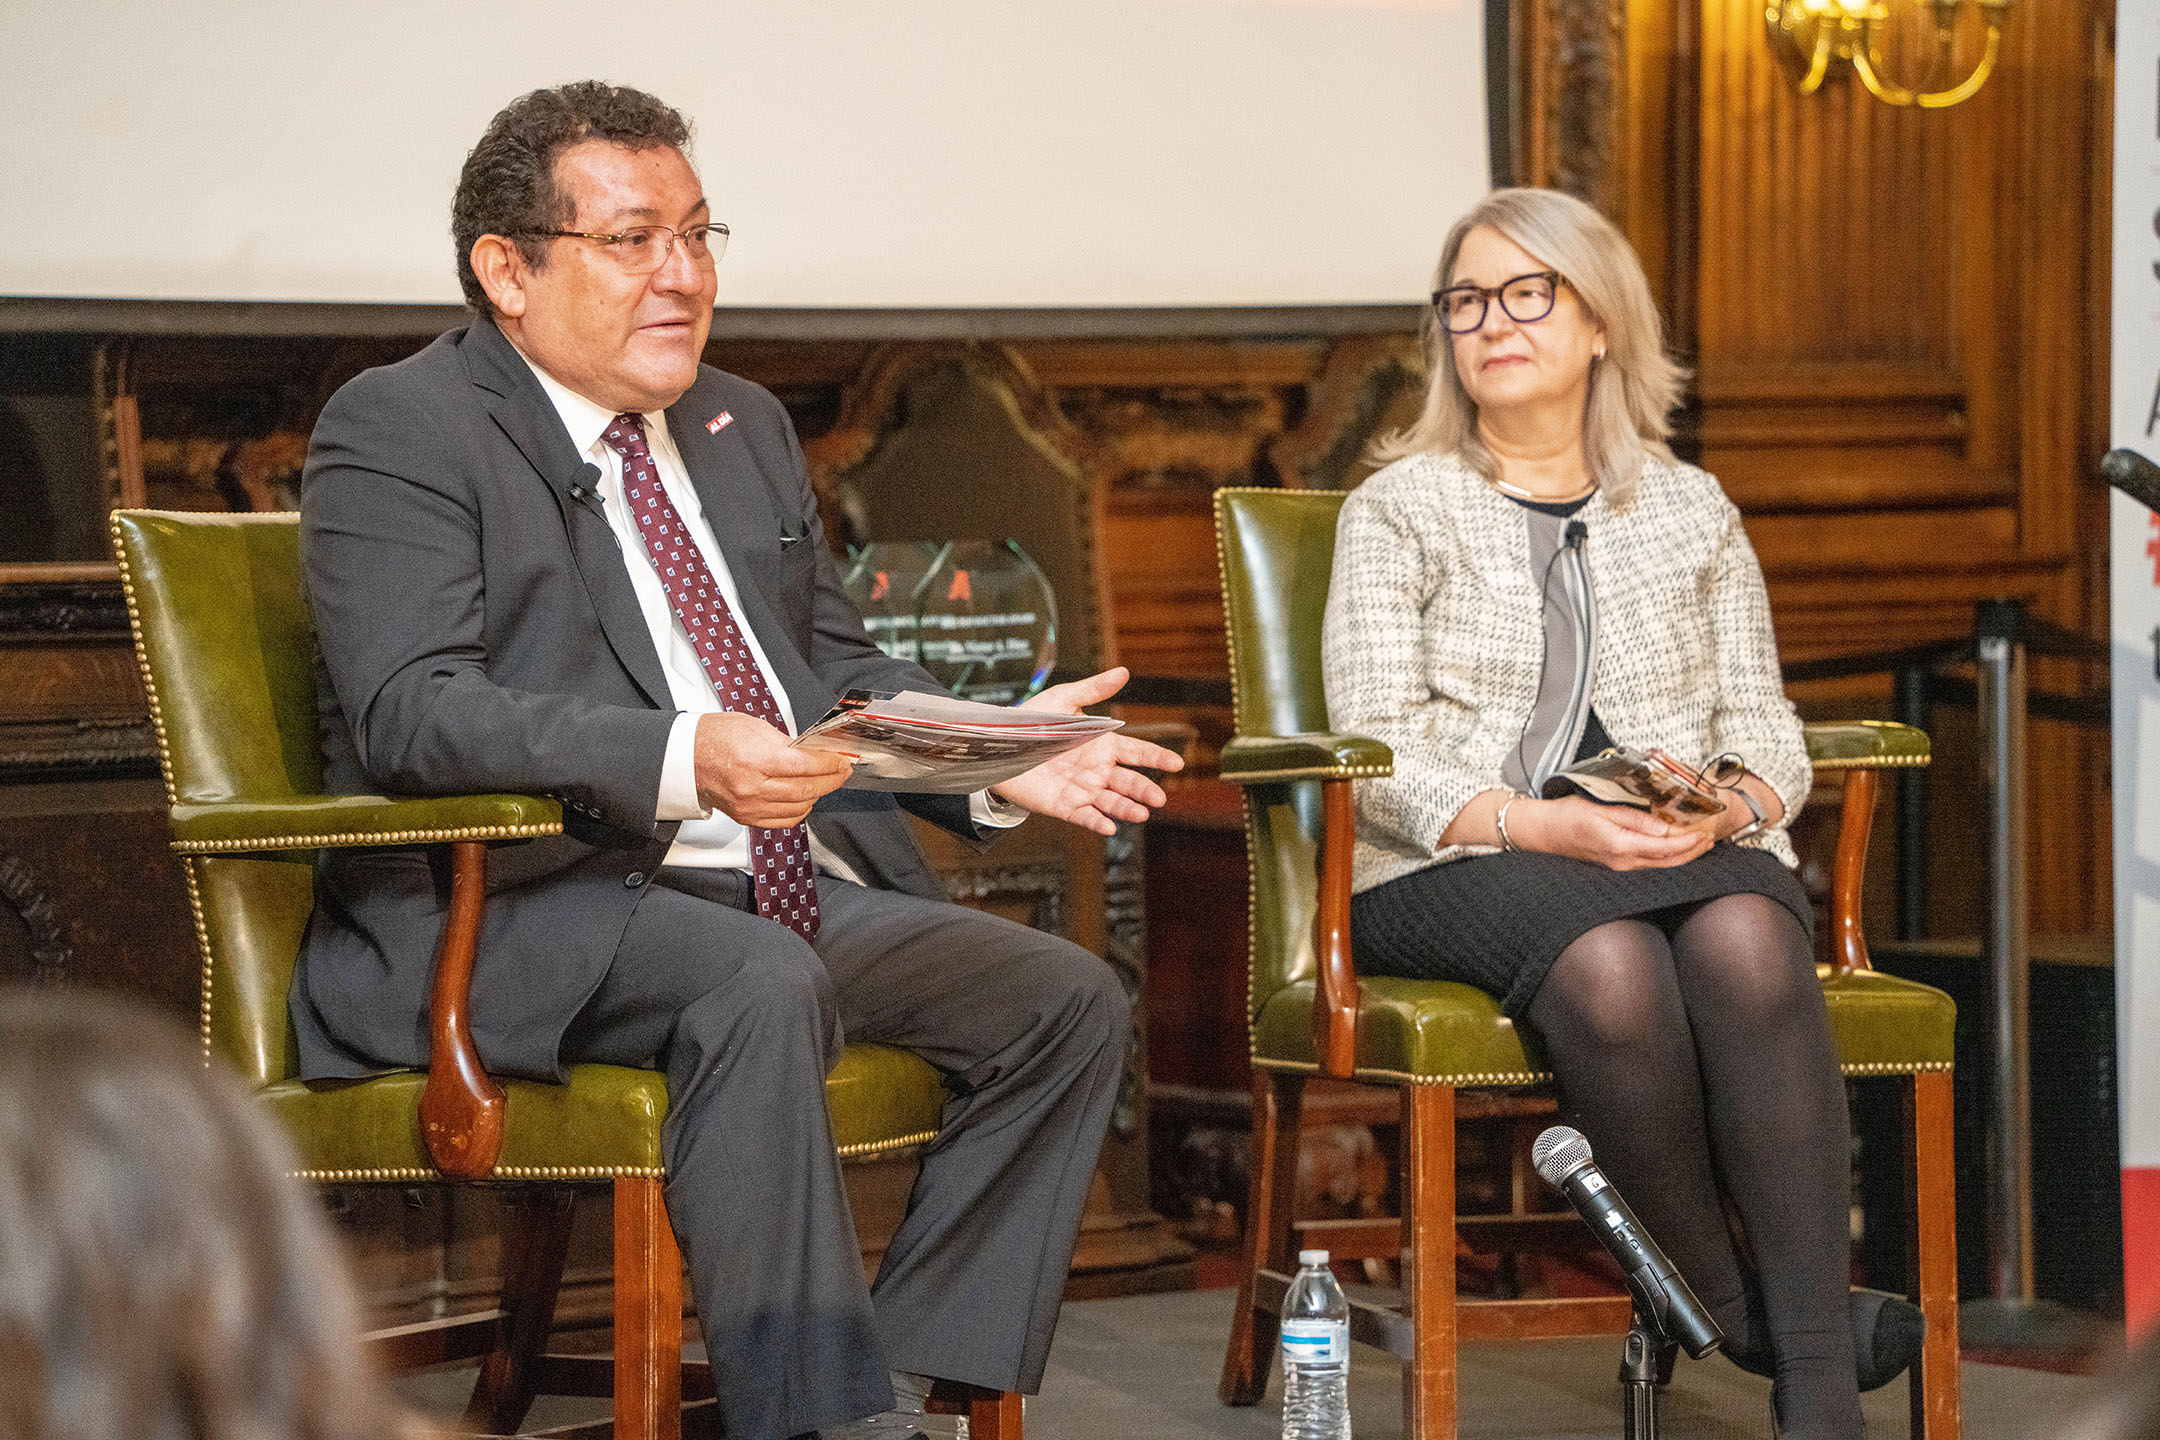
(161, 1275)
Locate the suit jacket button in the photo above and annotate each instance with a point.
(634, 879)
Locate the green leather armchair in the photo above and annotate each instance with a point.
(1446, 1047)
(227, 651)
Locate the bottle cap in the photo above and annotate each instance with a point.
(1310, 1258)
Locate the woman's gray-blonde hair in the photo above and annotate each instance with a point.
(161, 1275)
(1633, 390)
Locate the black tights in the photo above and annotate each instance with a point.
(1693, 1048)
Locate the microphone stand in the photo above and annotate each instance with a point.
(1646, 1364)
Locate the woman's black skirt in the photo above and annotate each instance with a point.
(1499, 921)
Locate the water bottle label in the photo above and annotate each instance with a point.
(1315, 1342)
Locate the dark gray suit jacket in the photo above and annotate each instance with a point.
(479, 634)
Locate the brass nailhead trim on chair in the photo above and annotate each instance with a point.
(1872, 762)
(1509, 1079)
(500, 1172)
(335, 839)
(1496, 1080)
(574, 1172)
(1252, 914)
(142, 662)
(879, 1147)
(202, 943)
(1222, 574)
(1863, 1068)
(1331, 772)
(1514, 1079)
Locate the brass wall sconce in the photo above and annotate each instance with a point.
(1809, 36)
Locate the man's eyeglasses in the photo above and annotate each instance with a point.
(642, 249)
(1526, 299)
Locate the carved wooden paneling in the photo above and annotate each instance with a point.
(1368, 386)
(87, 880)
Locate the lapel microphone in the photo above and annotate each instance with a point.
(581, 488)
(1575, 533)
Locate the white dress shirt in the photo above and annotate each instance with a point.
(707, 837)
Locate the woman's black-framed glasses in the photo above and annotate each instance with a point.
(642, 249)
(1526, 299)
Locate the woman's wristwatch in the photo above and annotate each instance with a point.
(1754, 806)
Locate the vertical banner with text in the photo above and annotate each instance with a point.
(2134, 593)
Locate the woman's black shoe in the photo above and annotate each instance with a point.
(1886, 1330)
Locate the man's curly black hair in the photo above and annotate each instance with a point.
(508, 184)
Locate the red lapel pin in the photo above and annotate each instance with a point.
(719, 422)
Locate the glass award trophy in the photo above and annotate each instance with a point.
(882, 579)
(986, 622)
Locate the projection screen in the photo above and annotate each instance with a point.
(867, 153)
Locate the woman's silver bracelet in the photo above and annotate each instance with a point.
(1499, 821)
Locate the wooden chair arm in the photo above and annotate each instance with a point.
(461, 1108)
(1335, 761)
(1848, 870)
(1335, 997)
(1863, 749)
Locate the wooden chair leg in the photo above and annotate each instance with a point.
(1271, 1192)
(539, 1239)
(648, 1315)
(991, 1414)
(1428, 1142)
(1931, 1250)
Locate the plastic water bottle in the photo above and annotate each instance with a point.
(1315, 1353)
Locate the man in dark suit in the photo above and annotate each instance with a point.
(553, 552)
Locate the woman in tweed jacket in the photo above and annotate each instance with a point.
(1534, 578)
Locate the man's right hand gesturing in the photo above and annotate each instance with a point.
(747, 770)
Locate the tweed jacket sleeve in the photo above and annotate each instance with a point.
(1390, 567)
(1753, 719)
(1433, 642)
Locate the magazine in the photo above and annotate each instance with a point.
(915, 741)
(1642, 780)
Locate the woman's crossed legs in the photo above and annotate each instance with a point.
(1693, 1047)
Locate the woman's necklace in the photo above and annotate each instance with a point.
(1521, 494)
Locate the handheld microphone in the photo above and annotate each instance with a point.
(2134, 475)
(1562, 1156)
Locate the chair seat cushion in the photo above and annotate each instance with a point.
(883, 1098)
(603, 1122)
(1446, 1033)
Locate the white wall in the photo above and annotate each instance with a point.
(2134, 620)
(866, 152)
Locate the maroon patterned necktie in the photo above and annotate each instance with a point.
(780, 871)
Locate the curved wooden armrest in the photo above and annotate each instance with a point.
(1862, 749)
(461, 1108)
(1335, 997)
(1848, 870)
